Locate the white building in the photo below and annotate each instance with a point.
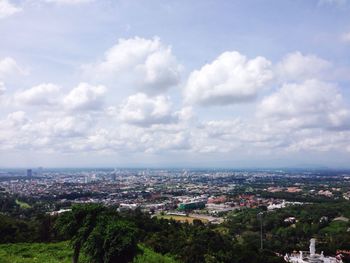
(310, 256)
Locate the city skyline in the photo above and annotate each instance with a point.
(174, 84)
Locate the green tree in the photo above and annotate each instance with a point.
(112, 241)
(78, 224)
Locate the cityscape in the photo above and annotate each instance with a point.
(210, 196)
(168, 190)
(178, 131)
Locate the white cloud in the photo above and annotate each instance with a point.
(2, 88)
(332, 2)
(320, 142)
(229, 79)
(296, 66)
(157, 142)
(7, 9)
(62, 126)
(17, 118)
(8, 67)
(186, 114)
(345, 37)
(48, 133)
(45, 94)
(69, 2)
(308, 114)
(236, 135)
(139, 109)
(145, 63)
(311, 104)
(85, 97)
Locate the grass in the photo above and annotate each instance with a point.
(182, 218)
(149, 256)
(61, 252)
(36, 253)
(23, 205)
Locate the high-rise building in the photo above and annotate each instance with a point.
(113, 177)
(29, 173)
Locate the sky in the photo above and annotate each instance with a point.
(176, 83)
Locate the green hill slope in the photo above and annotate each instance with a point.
(61, 253)
(36, 253)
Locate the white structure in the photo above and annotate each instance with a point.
(313, 247)
(55, 213)
(310, 256)
(125, 207)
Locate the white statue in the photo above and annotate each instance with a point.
(312, 247)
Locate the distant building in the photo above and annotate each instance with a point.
(29, 173)
(311, 256)
(191, 205)
(126, 207)
(40, 170)
(290, 220)
(217, 200)
(87, 179)
(113, 177)
(55, 213)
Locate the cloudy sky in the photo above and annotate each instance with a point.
(179, 83)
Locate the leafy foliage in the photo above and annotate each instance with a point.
(37, 253)
(104, 235)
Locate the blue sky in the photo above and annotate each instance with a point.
(174, 83)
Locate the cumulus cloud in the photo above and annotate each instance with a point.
(229, 79)
(306, 113)
(11, 127)
(9, 67)
(296, 66)
(166, 142)
(45, 94)
(85, 97)
(232, 135)
(145, 63)
(60, 117)
(142, 110)
(69, 2)
(8, 9)
(311, 104)
(332, 2)
(345, 37)
(319, 142)
(49, 133)
(17, 118)
(2, 88)
(63, 126)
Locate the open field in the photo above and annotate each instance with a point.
(22, 204)
(183, 218)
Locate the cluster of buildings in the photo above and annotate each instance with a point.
(212, 192)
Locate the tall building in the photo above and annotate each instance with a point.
(29, 172)
(113, 177)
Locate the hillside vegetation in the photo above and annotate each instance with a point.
(61, 252)
(36, 253)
